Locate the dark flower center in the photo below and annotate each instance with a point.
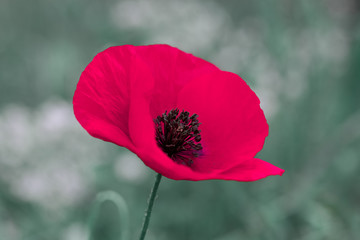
(178, 136)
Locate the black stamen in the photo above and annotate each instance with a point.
(178, 135)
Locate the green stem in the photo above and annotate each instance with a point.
(150, 206)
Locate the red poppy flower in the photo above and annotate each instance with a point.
(184, 117)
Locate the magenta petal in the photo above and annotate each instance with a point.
(101, 99)
(171, 69)
(232, 122)
(250, 170)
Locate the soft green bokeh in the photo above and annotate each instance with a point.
(302, 58)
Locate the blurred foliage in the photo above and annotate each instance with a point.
(301, 57)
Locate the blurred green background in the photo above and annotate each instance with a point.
(302, 58)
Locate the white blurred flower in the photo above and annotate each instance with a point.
(15, 132)
(54, 120)
(129, 167)
(75, 231)
(51, 185)
(46, 157)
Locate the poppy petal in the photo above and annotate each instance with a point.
(171, 69)
(101, 99)
(232, 122)
(250, 170)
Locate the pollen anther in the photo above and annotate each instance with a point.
(178, 135)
